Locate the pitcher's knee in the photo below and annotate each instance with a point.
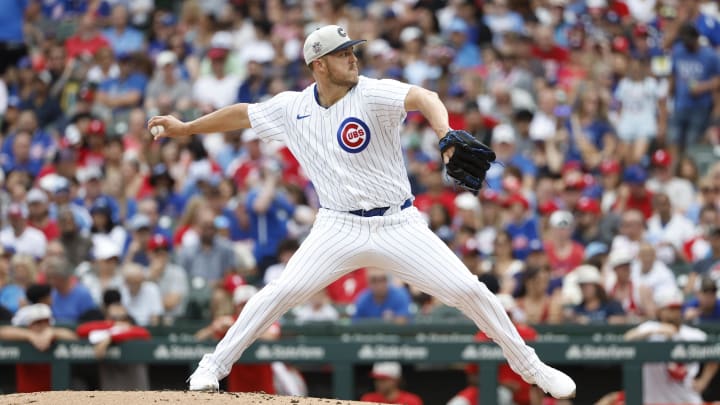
(467, 294)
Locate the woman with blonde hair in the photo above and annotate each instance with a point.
(184, 232)
(592, 137)
(23, 270)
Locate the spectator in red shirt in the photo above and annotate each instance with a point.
(386, 376)
(118, 327)
(509, 382)
(563, 253)
(246, 169)
(33, 324)
(574, 182)
(546, 50)
(533, 298)
(243, 377)
(38, 217)
(435, 190)
(633, 195)
(92, 151)
(87, 40)
(345, 290)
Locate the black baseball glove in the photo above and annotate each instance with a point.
(470, 161)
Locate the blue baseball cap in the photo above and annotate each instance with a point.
(595, 248)
(634, 174)
(168, 20)
(221, 222)
(14, 101)
(24, 63)
(458, 25)
(536, 246)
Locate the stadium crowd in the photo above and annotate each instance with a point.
(604, 115)
(604, 201)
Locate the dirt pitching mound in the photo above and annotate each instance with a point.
(159, 398)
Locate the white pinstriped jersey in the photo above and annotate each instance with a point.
(350, 151)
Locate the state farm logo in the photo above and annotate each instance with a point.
(353, 135)
(393, 352)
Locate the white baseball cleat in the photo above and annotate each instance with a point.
(554, 382)
(203, 380)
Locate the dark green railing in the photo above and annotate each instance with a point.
(343, 354)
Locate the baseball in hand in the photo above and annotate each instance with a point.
(157, 130)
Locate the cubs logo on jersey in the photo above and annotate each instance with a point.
(353, 135)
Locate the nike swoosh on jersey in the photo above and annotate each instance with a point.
(302, 116)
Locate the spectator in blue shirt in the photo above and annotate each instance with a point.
(705, 306)
(695, 73)
(467, 54)
(136, 246)
(124, 92)
(231, 152)
(169, 203)
(20, 156)
(382, 300)
(595, 306)
(269, 212)
(255, 86)
(91, 193)
(522, 227)
(707, 25)
(504, 144)
(501, 19)
(11, 33)
(11, 295)
(71, 301)
(42, 145)
(122, 38)
(46, 106)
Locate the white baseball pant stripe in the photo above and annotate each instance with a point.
(400, 243)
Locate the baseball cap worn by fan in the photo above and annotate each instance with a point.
(587, 274)
(588, 205)
(503, 133)
(467, 201)
(634, 175)
(548, 207)
(158, 241)
(595, 248)
(609, 167)
(138, 222)
(243, 294)
(30, 314)
(661, 158)
(16, 210)
(619, 257)
(561, 219)
(669, 297)
(325, 40)
(165, 58)
(105, 248)
(36, 195)
(386, 369)
(220, 45)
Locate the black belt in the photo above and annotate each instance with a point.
(380, 211)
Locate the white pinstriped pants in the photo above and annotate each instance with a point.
(400, 243)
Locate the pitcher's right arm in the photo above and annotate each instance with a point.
(226, 119)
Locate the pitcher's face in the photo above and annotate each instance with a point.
(342, 67)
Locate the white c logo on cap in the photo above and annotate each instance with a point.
(341, 32)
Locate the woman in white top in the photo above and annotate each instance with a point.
(639, 95)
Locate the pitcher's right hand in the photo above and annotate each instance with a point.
(173, 127)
